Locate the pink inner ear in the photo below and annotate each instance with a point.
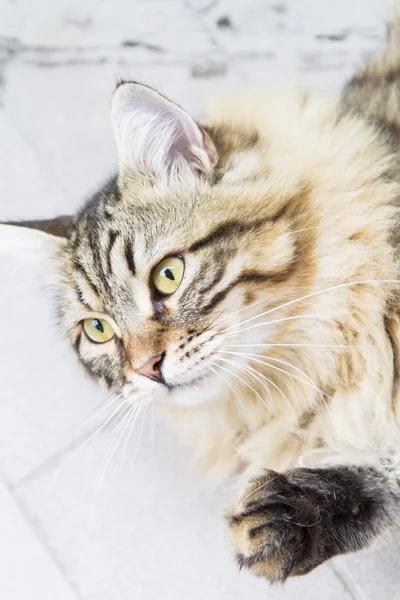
(152, 131)
(211, 156)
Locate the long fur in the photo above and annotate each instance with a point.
(280, 349)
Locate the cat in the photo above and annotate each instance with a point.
(243, 275)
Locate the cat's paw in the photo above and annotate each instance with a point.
(287, 524)
(274, 528)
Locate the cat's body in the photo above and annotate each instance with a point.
(277, 348)
(344, 342)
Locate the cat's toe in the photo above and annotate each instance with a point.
(273, 528)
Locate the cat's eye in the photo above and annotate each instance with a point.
(98, 330)
(168, 274)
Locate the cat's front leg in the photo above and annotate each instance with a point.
(287, 524)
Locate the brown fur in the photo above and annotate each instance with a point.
(285, 208)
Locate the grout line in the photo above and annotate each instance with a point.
(348, 582)
(54, 460)
(41, 537)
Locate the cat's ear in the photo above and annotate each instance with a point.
(35, 241)
(154, 134)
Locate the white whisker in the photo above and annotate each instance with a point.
(312, 294)
(341, 346)
(273, 322)
(257, 357)
(228, 383)
(238, 376)
(306, 229)
(254, 376)
(108, 402)
(260, 487)
(129, 427)
(112, 447)
(119, 433)
(145, 405)
(271, 383)
(101, 192)
(72, 456)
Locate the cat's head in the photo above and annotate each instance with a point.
(159, 275)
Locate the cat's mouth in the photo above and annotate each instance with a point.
(171, 374)
(180, 384)
(162, 377)
(193, 382)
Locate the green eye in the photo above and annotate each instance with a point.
(168, 274)
(98, 330)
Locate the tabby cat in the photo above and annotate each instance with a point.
(243, 276)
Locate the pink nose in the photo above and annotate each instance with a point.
(152, 368)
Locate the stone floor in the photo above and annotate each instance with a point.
(149, 528)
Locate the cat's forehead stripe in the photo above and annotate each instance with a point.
(129, 257)
(88, 279)
(113, 236)
(235, 228)
(227, 230)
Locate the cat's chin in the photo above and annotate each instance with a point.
(192, 393)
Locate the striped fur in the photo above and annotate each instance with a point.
(281, 346)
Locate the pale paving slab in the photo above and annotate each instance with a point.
(149, 529)
(376, 569)
(41, 399)
(58, 148)
(164, 26)
(44, 397)
(23, 176)
(27, 568)
(282, 29)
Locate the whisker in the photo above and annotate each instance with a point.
(96, 433)
(108, 402)
(128, 430)
(309, 381)
(291, 223)
(203, 374)
(274, 321)
(227, 382)
(271, 383)
(249, 306)
(101, 192)
(229, 315)
(125, 417)
(238, 376)
(214, 320)
(136, 416)
(256, 377)
(260, 487)
(105, 404)
(312, 294)
(306, 229)
(320, 392)
(256, 357)
(112, 447)
(145, 406)
(341, 346)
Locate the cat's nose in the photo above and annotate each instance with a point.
(152, 368)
